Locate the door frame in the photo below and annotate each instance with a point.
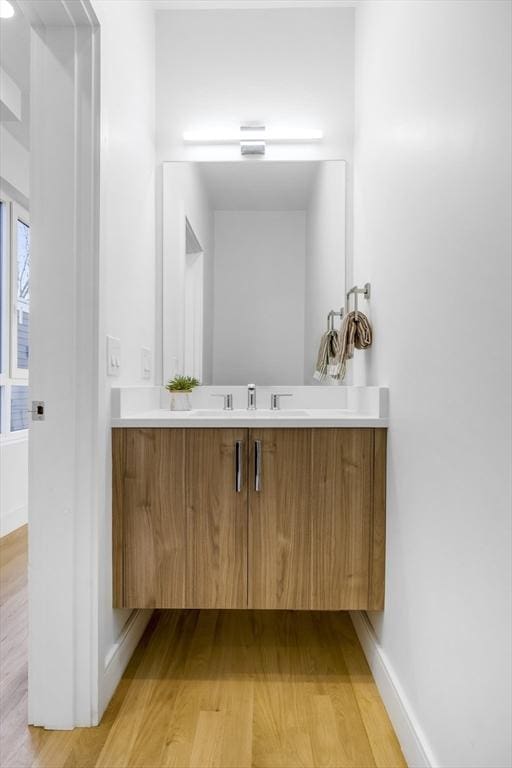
(64, 448)
(193, 329)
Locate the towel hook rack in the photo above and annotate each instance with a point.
(355, 291)
(330, 318)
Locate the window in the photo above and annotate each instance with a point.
(14, 318)
(20, 304)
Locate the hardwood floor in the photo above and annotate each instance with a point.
(232, 689)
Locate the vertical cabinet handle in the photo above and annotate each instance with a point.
(238, 466)
(257, 465)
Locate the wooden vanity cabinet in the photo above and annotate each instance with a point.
(249, 518)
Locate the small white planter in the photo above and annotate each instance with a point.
(180, 401)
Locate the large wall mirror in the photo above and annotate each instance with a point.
(253, 260)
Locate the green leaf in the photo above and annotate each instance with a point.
(182, 384)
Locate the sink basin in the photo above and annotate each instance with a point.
(242, 413)
(266, 412)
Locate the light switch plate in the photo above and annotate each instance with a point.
(113, 356)
(145, 362)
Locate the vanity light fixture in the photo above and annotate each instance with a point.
(251, 133)
(6, 10)
(249, 145)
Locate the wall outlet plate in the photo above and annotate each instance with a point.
(113, 356)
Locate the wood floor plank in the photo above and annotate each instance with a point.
(208, 737)
(384, 744)
(238, 710)
(208, 689)
(281, 736)
(147, 751)
(326, 748)
(19, 744)
(354, 744)
(129, 725)
(229, 689)
(178, 737)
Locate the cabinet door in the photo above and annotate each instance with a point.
(341, 517)
(279, 518)
(180, 518)
(149, 518)
(310, 522)
(216, 518)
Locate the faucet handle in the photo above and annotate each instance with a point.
(275, 397)
(251, 397)
(228, 400)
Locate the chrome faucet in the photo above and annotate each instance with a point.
(251, 397)
(275, 397)
(228, 400)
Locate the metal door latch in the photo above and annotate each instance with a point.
(37, 410)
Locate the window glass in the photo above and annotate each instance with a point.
(22, 292)
(14, 317)
(3, 287)
(19, 408)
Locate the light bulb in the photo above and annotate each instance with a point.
(6, 9)
(234, 136)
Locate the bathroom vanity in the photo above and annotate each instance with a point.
(264, 509)
(279, 501)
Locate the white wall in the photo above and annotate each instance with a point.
(10, 97)
(127, 244)
(290, 68)
(14, 483)
(128, 178)
(184, 197)
(325, 258)
(14, 167)
(259, 297)
(432, 234)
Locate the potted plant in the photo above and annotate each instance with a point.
(180, 388)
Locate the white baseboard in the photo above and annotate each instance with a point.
(412, 739)
(13, 519)
(120, 653)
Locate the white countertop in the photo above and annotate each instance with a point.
(309, 406)
(259, 418)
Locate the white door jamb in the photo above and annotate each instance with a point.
(64, 364)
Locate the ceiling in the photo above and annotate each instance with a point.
(256, 185)
(15, 60)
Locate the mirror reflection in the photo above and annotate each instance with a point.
(253, 261)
